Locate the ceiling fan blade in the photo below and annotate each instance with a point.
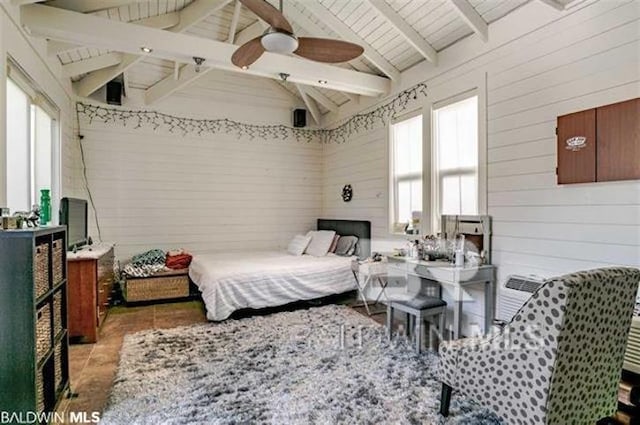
(248, 53)
(326, 50)
(269, 14)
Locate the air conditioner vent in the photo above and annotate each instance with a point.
(528, 284)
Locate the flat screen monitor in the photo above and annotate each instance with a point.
(73, 214)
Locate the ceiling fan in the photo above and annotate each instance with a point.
(279, 38)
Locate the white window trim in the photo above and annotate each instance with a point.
(392, 207)
(439, 97)
(38, 98)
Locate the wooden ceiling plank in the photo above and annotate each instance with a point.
(411, 35)
(469, 14)
(331, 21)
(88, 6)
(555, 4)
(321, 98)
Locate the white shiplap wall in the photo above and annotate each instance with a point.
(203, 193)
(31, 54)
(539, 64)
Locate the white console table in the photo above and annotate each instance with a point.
(457, 278)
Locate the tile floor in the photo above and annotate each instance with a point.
(92, 367)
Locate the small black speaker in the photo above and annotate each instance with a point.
(299, 118)
(114, 93)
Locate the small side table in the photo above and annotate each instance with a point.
(372, 271)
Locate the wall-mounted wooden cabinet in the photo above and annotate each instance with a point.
(600, 144)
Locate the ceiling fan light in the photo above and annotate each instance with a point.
(279, 42)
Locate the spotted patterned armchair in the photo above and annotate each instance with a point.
(558, 361)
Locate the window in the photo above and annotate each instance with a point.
(31, 143)
(406, 172)
(455, 153)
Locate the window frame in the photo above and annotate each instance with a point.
(442, 97)
(438, 175)
(37, 99)
(392, 210)
(474, 84)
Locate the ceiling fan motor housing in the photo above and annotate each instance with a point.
(278, 41)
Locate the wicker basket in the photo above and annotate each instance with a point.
(57, 260)
(57, 313)
(174, 284)
(41, 272)
(39, 391)
(58, 366)
(43, 331)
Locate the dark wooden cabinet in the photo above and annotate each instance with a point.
(577, 157)
(619, 141)
(34, 365)
(600, 144)
(90, 284)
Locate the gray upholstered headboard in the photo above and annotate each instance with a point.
(359, 228)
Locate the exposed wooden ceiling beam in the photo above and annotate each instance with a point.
(406, 30)
(190, 15)
(88, 6)
(555, 4)
(23, 2)
(321, 98)
(311, 106)
(187, 74)
(343, 30)
(98, 32)
(170, 85)
(91, 64)
(165, 21)
(234, 22)
(250, 32)
(471, 16)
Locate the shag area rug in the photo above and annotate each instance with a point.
(326, 365)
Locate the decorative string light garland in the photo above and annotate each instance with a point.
(200, 127)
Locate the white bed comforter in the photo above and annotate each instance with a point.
(229, 282)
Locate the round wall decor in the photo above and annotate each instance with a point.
(347, 193)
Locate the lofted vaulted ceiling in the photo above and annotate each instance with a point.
(396, 35)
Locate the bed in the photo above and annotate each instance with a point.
(235, 281)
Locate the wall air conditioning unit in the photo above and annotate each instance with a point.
(632, 355)
(514, 292)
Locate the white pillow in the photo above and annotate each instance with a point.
(298, 244)
(320, 243)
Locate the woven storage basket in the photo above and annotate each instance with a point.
(57, 261)
(41, 272)
(43, 331)
(57, 313)
(39, 391)
(58, 366)
(159, 287)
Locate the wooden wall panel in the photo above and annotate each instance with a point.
(577, 163)
(539, 65)
(619, 141)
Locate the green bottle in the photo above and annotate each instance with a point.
(45, 207)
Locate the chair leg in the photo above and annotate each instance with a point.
(418, 333)
(445, 400)
(442, 327)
